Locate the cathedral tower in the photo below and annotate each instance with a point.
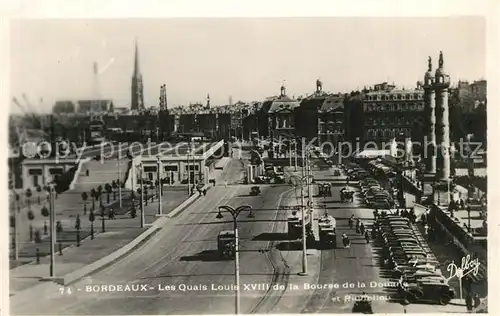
(137, 102)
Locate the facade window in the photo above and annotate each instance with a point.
(410, 97)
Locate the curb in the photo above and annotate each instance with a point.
(77, 173)
(110, 259)
(131, 246)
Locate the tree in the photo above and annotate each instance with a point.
(84, 198)
(77, 227)
(99, 197)
(115, 186)
(45, 211)
(93, 195)
(109, 189)
(31, 217)
(59, 227)
(28, 194)
(91, 219)
(18, 198)
(38, 189)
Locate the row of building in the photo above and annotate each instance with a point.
(375, 114)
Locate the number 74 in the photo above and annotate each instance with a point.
(65, 290)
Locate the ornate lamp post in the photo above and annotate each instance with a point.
(234, 213)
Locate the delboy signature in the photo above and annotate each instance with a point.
(467, 266)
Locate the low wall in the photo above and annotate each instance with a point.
(468, 243)
(78, 171)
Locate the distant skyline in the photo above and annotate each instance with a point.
(245, 59)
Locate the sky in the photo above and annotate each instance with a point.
(247, 59)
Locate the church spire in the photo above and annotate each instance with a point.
(137, 102)
(137, 71)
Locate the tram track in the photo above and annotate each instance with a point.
(281, 269)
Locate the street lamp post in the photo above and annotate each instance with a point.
(120, 179)
(234, 213)
(52, 230)
(188, 169)
(142, 195)
(468, 218)
(295, 153)
(160, 209)
(300, 181)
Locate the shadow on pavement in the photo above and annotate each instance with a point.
(271, 236)
(205, 255)
(202, 275)
(289, 246)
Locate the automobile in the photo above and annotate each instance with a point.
(363, 307)
(255, 190)
(427, 291)
(226, 244)
(407, 238)
(410, 268)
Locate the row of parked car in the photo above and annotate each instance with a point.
(355, 172)
(420, 279)
(375, 196)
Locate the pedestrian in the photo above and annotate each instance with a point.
(477, 301)
(87, 172)
(469, 302)
(204, 192)
(462, 204)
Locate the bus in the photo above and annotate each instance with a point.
(97, 130)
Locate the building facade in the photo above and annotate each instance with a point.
(281, 117)
(331, 121)
(389, 112)
(307, 114)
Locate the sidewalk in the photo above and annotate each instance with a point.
(118, 233)
(170, 200)
(447, 254)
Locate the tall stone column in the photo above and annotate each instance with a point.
(430, 141)
(441, 85)
(443, 135)
(445, 141)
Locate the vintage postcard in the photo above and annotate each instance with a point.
(167, 166)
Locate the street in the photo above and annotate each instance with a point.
(179, 272)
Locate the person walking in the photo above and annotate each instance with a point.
(477, 301)
(469, 302)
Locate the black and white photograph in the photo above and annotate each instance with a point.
(263, 165)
